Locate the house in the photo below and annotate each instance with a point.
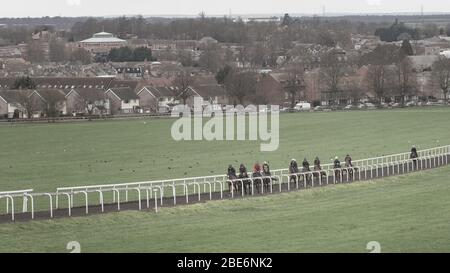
(12, 101)
(270, 88)
(123, 100)
(156, 99)
(423, 62)
(207, 87)
(69, 83)
(163, 98)
(49, 102)
(87, 101)
(129, 71)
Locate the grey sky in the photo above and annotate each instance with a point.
(32, 8)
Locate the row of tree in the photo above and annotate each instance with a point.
(399, 31)
(126, 54)
(57, 52)
(390, 73)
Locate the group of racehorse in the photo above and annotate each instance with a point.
(242, 182)
(262, 177)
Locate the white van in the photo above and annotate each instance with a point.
(303, 106)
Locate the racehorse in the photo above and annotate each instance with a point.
(257, 181)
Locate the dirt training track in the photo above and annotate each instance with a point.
(205, 197)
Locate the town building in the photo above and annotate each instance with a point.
(102, 42)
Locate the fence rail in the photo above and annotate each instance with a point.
(364, 169)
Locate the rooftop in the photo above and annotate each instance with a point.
(103, 37)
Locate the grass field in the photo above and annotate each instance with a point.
(404, 214)
(47, 156)
(408, 213)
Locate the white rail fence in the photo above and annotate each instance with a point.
(370, 168)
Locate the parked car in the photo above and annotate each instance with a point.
(349, 107)
(303, 106)
(318, 108)
(370, 106)
(433, 103)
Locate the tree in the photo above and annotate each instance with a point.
(210, 58)
(240, 84)
(52, 106)
(27, 102)
(333, 69)
(34, 52)
(430, 30)
(57, 50)
(287, 20)
(392, 33)
(222, 74)
(123, 54)
(258, 55)
(142, 54)
(126, 54)
(326, 39)
(295, 82)
(243, 55)
(406, 82)
(441, 75)
(81, 55)
(185, 58)
(24, 83)
(182, 83)
(406, 48)
(379, 61)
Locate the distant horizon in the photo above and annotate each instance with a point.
(246, 15)
(180, 8)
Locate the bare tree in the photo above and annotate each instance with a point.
(53, 106)
(34, 52)
(183, 82)
(379, 69)
(441, 75)
(333, 65)
(211, 58)
(406, 82)
(240, 84)
(57, 50)
(26, 102)
(244, 55)
(81, 55)
(295, 82)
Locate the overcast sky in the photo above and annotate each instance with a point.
(33, 8)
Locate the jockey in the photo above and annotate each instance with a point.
(293, 168)
(414, 153)
(266, 169)
(243, 171)
(257, 168)
(306, 165)
(231, 173)
(317, 166)
(348, 161)
(337, 163)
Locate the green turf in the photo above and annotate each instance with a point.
(404, 214)
(408, 215)
(47, 156)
